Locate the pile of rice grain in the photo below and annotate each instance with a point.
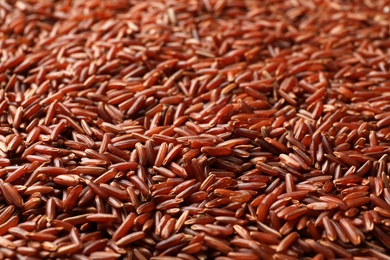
(220, 129)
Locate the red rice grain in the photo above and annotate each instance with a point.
(200, 129)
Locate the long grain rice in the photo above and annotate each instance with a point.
(219, 129)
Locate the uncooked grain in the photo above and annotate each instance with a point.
(220, 129)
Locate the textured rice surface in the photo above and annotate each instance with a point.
(220, 129)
